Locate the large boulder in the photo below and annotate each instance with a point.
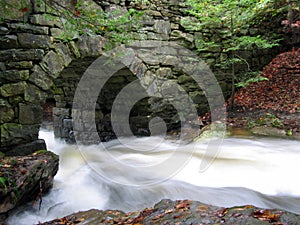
(25, 178)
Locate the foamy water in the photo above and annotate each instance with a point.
(263, 172)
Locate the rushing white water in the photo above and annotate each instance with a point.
(262, 172)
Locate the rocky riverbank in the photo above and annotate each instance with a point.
(25, 178)
(265, 123)
(182, 212)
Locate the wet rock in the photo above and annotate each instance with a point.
(182, 212)
(268, 131)
(14, 134)
(25, 178)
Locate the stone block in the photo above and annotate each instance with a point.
(27, 149)
(2, 66)
(15, 134)
(21, 55)
(57, 33)
(90, 45)
(29, 28)
(6, 111)
(45, 20)
(162, 27)
(157, 36)
(13, 89)
(177, 34)
(14, 75)
(30, 114)
(19, 65)
(63, 51)
(68, 124)
(40, 78)
(165, 72)
(28, 40)
(149, 58)
(8, 41)
(53, 64)
(34, 95)
(15, 100)
(73, 48)
(170, 60)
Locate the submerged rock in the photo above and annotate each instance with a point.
(25, 178)
(182, 212)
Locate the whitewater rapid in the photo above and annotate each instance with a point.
(262, 172)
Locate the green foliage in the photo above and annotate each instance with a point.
(252, 79)
(3, 182)
(230, 18)
(40, 152)
(230, 21)
(86, 17)
(268, 120)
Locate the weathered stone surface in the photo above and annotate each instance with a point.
(150, 58)
(8, 41)
(30, 114)
(34, 95)
(14, 134)
(177, 34)
(20, 65)
(183, 212)
(6, 111)
(15, 100)
(162, 27)
(21, 55)
(268, 131)
(14, 75)
(53, 64)
(90, 45)
(10, 10)
(2, 66)
(13, 89)
(40, 78)
(25, 27)
(164, 72)
(64, 52)
(25, 178)
(25, 149)
(28, 40)
(57, 33)
(73, 48)
(45, 20)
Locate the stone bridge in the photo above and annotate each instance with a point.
(40, 72)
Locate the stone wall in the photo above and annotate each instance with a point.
(36, 65)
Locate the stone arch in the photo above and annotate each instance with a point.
(157, 66)
(24, 92)
(33, 58)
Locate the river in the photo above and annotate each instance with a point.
(259, 171)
